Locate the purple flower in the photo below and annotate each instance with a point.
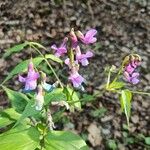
(76, 78)
(83, 58)
(89, 36)
(131, 66)
(132, 78)
(59, 51)
(31, 79)
(130, 71)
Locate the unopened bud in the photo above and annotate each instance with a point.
(79, 34)
(39, 98)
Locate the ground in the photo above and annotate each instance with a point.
(123, 28)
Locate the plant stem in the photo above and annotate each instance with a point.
(120, 69)
(108, 79)
(49, 66)
(140, 92)
(82, 100)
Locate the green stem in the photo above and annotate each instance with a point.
(140, 92)
(49, 65)
(120, 69)
(108, 79)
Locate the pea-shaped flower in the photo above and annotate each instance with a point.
(30, 80)
(83, 58)
(132, 78)
(62, 49)
(88, 38)
(76, 78)
(130, 69)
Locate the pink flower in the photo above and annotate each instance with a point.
(59, 51)
(76, 78)
(83, 58)
(130, 73)
(130, 68)
(89, 36)
(132, 78)
(31, 79)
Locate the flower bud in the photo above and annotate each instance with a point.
(73, 37)
(79, 34)
(39, 98)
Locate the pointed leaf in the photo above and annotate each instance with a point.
(14, 49)
(29, 111)
(64, 140)
(116, 85)
(8, 116)
(54, 58)
(125, 100)
(37, 44)
(17, 99)
(73, 98)
(55, 95)
(20, 139)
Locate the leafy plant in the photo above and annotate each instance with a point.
(29, 124)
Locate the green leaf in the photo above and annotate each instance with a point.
(116, 85)
(125, 100)
(29, 111)
(54, 58)
(18, 100)
(8, 116)
(147, 140)
(20, 139)
(72, 97)
(16, 48)
(37, 44)
(22, 67)
(64, 140)
(55, 95)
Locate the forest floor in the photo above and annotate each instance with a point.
(123, 28)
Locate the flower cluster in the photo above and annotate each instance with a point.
(130, 68)
(31, 84)
(75, 55)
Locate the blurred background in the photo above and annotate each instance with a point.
(123, 27)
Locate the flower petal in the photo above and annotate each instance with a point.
(84, 62)
(22, 79)
(90, 33)
(47, 87)
(89, 54)
(54, 47)
(30, 85)
(135, 81)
